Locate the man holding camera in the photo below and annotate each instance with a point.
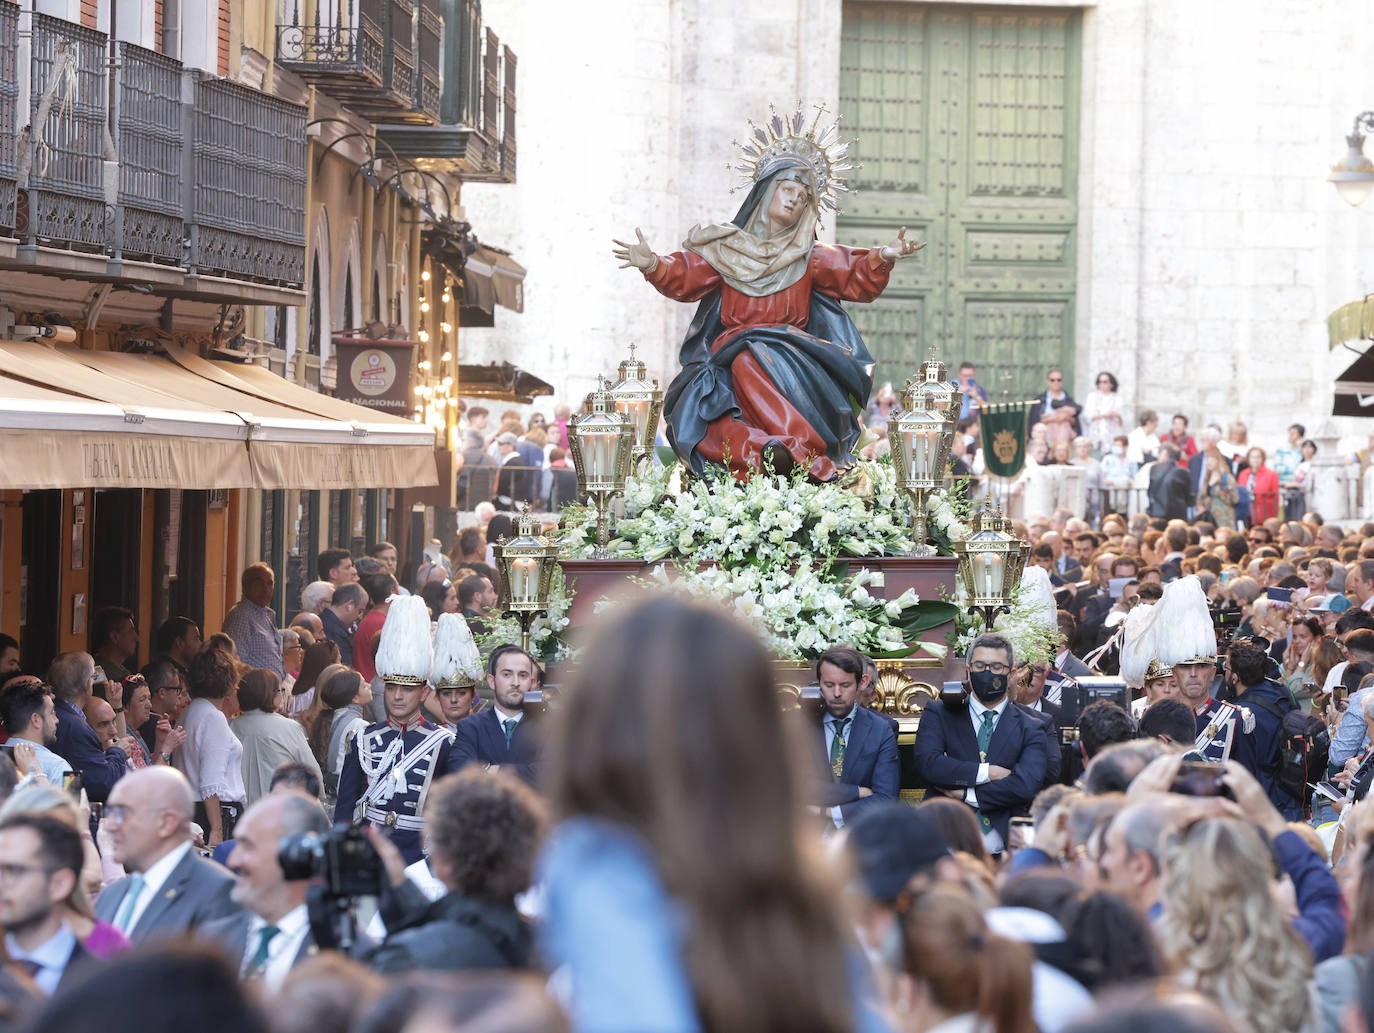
(388, 768)
(272, 934)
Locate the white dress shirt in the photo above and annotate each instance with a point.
(281, 949)
(211, 758)
(154, 879)
(51, 957)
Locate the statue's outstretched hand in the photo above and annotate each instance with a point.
(639, 255)
(900, 248)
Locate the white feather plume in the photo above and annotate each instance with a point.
(405, 650)
(1183, 626)
(456, 657)
(1137, 644)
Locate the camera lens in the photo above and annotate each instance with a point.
(300, 856)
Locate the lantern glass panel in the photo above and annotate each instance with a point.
(598, 452)
(638, 411)
(988, 570)
(921, 443)
(524, 580)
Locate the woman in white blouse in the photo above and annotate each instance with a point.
(1102, 414)
(212, 757)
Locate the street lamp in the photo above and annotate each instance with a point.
(991, 559)
(920, 441)
(1353, 175)
(525, 565)
(641, 400)
(601, 438)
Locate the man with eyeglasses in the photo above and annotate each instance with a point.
(1056, 409)
(168, 697)
(169, 889)
(984, 750)
(40, 864)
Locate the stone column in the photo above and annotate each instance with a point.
(1328, 490)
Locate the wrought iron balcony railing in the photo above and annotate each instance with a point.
(379, 57)
(9, 103)
(205, 174)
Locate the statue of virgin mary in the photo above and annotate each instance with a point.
(774, 372)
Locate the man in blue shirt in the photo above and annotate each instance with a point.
(973, 391)
(72, 677)
(29, 716)
(341, 616)
(40, 859)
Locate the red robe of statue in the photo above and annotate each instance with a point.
(848, 274)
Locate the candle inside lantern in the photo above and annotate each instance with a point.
(638, 411)
(524, 573)
(987, 567)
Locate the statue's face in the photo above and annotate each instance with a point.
(789, 201)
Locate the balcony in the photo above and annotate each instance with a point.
(476, 135)
(379, 57)
(176, 192)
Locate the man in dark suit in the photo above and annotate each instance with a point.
(1028, 692)
(272, 934)
(1168, 492)
(1064, 661)
(986, 751)
(169, 889)
(858, 745)
(503, 735)
(42, 857)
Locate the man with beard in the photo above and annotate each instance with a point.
(29, 717)
(42, 860)
(984, 751)
(859, 745)
(502, 736)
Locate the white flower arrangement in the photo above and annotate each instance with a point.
(546, 632)
(774, 550)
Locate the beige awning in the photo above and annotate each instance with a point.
(100, 445)
(254, 430)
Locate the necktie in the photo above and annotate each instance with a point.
(985, 734)
(261, 955)
(989, 718)
(124, 917)
(837, 747)
(508, 726)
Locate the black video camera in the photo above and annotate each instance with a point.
(342, 859)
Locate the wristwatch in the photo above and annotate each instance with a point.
(118, 710)
(166, 758)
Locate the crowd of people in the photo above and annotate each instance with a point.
(1093, 458)
(339, 827)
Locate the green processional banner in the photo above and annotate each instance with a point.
(1002, 434)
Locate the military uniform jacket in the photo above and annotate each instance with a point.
(386, 776)
(1221, 728)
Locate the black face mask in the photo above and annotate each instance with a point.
(988, 687)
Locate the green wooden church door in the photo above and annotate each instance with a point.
(966, 126)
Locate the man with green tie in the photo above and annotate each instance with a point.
(983, 750)
(506, 734)
(272, 934)
(859, 744)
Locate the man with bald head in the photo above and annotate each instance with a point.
(310, 622)
(272, 934)
(101, 717)
(252, 623)
(169, 889)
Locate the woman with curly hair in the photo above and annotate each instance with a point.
(1224, 930)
